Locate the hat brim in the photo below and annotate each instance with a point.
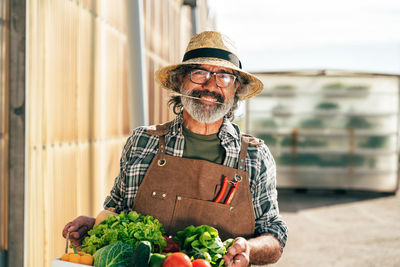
(252, 88)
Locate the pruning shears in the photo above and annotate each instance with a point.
(232, 190)
(223, 190)
(228, 200)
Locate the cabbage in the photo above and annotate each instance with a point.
(118, 254)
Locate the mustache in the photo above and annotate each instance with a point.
(199, 93)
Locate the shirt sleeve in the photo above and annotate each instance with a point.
(265, 197)
(117, 194)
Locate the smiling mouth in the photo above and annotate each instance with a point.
(208, 99)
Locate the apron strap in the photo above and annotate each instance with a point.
(243, 153)
(161, 144)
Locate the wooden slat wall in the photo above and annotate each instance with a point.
(77, 115)
(4, 51)
(78, 118)
(168, 29)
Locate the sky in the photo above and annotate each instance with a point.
(274, 35)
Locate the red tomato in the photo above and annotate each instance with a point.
(201, 263)
(177, 259)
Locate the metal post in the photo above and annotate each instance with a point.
(138, 97)
(193, 7)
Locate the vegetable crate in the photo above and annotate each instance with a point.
(57, 262)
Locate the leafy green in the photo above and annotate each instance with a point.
(142, 254)
(203, 242)
(129, 228)
(118, 254)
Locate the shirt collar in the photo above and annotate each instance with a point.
(176, 125)
(228, 128)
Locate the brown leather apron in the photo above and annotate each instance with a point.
(180, 191)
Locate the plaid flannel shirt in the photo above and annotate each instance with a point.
(141, 147)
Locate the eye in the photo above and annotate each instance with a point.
(199, 72)
(225, 77)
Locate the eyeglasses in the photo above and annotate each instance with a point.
(223, 80)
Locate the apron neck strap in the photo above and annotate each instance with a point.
(161, 144)
(243, 153)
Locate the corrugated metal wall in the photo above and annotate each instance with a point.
(4, 39)
(77, 105)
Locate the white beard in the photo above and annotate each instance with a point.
(204, 113)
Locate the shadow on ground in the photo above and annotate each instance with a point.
(294, 200)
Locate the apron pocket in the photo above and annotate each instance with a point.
(190, 211)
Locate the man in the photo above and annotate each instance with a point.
(176, 172)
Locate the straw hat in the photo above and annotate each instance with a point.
(213, 48)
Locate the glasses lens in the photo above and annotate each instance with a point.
(225, 79)
(199, 76)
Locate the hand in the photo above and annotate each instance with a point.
(238, 255)
(78, 229)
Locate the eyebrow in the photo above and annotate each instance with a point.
(218, 71)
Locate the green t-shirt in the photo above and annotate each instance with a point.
(207, 147)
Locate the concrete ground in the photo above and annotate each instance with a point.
(338, 229)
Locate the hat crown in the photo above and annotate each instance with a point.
(212, 39)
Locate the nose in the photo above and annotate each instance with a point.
(211, 84)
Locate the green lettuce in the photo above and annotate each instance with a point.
(118, 254)
(203, 242)
(129, 228)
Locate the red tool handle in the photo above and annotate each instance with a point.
(223, 190)
(231, 193)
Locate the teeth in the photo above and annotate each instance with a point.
(209, 99)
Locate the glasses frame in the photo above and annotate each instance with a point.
(235, 83)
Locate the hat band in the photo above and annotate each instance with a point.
(213, 52)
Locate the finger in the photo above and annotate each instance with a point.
(237, 247)
(74, 236)
(76, 243)
(65, 230)
(79, 234)
(240, 260)
(240, 242)
(228, 260)
(82, 231)
(74, 225)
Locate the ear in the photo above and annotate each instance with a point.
(179, 78)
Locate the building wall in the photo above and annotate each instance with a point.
(77, 105)
(168, 28)
(76, 115)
